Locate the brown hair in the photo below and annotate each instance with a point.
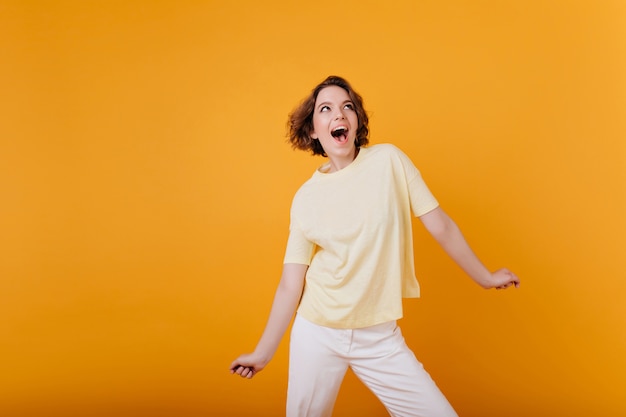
(300, 123)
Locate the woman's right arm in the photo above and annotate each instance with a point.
(286, 301)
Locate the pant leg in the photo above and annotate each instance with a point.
(384, 363)
(316, 368)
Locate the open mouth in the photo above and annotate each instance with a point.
(340, 133)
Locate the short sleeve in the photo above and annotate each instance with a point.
(299, 249)
(422, 200)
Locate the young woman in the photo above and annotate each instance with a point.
(349, 263)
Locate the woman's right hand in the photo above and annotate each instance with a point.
(248, 365)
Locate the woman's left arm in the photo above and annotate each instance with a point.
(449, 236)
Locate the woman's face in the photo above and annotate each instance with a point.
(335, 123)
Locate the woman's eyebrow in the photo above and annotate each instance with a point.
(328, 103)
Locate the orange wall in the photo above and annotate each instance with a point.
(145, 186)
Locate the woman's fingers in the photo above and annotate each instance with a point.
(243, 371)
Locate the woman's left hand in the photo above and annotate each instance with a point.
(503, 278)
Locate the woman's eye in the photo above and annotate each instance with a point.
(324, 108)
(349, 106)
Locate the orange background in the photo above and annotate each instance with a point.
(145, 185)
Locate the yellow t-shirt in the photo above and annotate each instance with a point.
(353, 228)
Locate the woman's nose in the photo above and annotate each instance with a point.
(339, 115)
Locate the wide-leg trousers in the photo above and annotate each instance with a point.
(378, 355)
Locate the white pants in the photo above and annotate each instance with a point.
(320, 356)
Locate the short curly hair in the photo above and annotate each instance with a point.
(300, 122)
